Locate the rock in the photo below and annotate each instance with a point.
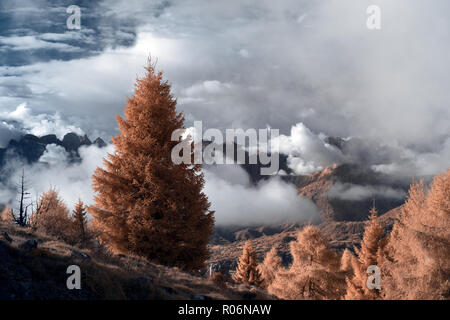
(28, 147)
(79, 254)
(28, 245)
(50, 139)
(6, 237)
(99, 142)
(71, 142)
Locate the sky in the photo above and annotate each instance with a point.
(308, 68)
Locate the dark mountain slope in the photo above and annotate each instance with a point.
(30, 148)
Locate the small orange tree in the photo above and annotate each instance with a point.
(52, 216)
(80, 222)
(372, 243)
(247, 271)
(272, 263)
(346, 262)
(145, 204)
(314, 273)
(7, 215)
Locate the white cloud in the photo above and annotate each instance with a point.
(353, 192)
(7, 132)
(244, 53)
(23, 43)
(23, 120)
(318, 65)
(210, 87)
(54, 155)
(307, 152)
(413, 163)
(233, 198)
(72, 180)
(271, 202)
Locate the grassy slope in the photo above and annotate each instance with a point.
(41, 274)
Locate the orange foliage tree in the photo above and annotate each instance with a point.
(314, 273)
(7, 215)
(80, 222)
(144, 203)
(247, 271)
(417, 260)
(52, 216)
(346, 262)
(270, 266)
(367, 255)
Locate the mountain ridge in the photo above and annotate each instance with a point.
(30, 147)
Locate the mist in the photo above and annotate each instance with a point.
(271, 202)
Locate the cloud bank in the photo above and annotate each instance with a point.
(21, 121)
(272, 202)
(353, 192)
(72, 180)
(327, 71)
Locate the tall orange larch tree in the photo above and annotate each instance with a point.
(417, 259)
(79, 216)
(367, 255)
(270, 266)
(145, 204)
(346, 262)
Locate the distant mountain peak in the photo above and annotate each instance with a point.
(31, 147)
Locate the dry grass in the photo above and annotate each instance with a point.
(104, 275)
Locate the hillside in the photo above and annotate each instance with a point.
(341, 235)
(342, 222)
(318, 186)
(33, 266)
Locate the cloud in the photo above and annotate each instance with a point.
(23, 120)
(234, 199)
(210, 87)
(7, 132)
(54, 155)
(318, 65)
(54, 168)
(271, 202)
(35, 30)
(418, 164)
(307, 152)
(353, 192)
(23, 43)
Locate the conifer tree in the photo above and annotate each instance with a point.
(346, 262)
(314, 273)
(7, 215)
(366, 256)
(145, 204)
(418, 253)
(52, 216)
(247, 271)
(272, 263)
(80, 221)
